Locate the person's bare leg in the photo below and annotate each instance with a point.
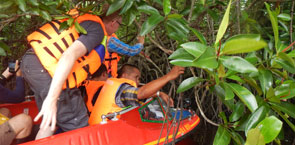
(22, 125)
(5, 112)
(44, 133)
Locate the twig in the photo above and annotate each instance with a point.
(238, 16)
(200, 109)
(191, 11)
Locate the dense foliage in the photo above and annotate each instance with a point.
(240, 54)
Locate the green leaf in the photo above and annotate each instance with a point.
(61, 17)
(236, 78)
(266, 79)
(242, 45)
(166, 7)
(257, 116)
(150, 24)
(287, 58)
(207, 60)
(4, 47)
(3, 16)
(285, 91)
(194, 48)
(79, 28)
(221, 94)
(237, 138)
(148, 9)
(70, 21)
(199, 35)
(286, 107)
(222, 136)
(245, 95)
(181, 53)
(63, 26)
(179, 24)
(284, 17)
(174, 16)
(130, 16)
(45, 15)
(238, 64)
(116, 5)
(274, 23)
(177, 29)
(254, 137)
(252, 83)
(87, 8)
(182, 62)
(21, 5)
(229, 94)
(188, 83)
(270, 127)
(285, 64)
(224, 24)
(270, 95)
(238, 112)
(127, 6)
(34, 2)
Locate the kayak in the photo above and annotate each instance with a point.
(149, 124)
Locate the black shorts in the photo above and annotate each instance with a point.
(71, 109)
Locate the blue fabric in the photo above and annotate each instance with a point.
(185, 114)
(115, 45)
(101, 52)
(15, 96)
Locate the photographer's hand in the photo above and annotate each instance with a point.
(17, 69)
(6, 73)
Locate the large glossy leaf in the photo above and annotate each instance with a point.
(177, 29)
(285, 64)
(222, 136)
(266, 79)
(220, 92)
(188, 83)
(239, 140)
(181, 53)
(252, 83)
(255, 137)
(287, 58)
(179, 24)
(223, 25)
(148, 9)
(126, 6)
(274, 23)
(243, 44)
(229, 94)
(116, 5)
(238, 112)
(166, 7)
(284, 17)
(238, 64)
(270, 127)
(207, 60)
(21, 4)
(286, 107)
(150, 24)
(130, 16)
(245, 95)
(241, 36)
(256, 117)
(194, 48)
(2, 52)
(270, 95)
(199, 35)
(285, 90)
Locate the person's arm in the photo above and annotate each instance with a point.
(64, 67)
(152, 87)
(115, 45)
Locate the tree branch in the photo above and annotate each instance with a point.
(291, 23)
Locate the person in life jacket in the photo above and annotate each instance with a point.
(115, 47)
(123, 91)
(59, 62)
(92, 87)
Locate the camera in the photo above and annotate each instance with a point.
(11, 66)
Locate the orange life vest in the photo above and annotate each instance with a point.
(111, 61)
(91, 89)
(49, 45)
(105, 102)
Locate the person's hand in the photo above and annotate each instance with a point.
(6, 73)
(17, 69)
(166, 98)
(175, 72)
(48, 111)
(140, 39)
